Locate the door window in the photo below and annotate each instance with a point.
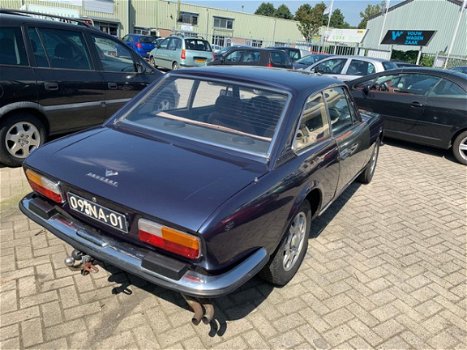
(65, 48)
(174, 44)
(279, 58)
(313, 126)
(359, 67)
(234, 57)
(446, 88)
(250, 57)
(332, 66)
(339, 109)
(12, 50)
(37, 48)
(164, 43)
(113, 56)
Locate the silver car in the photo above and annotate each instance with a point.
(178, 51)
(350, 67)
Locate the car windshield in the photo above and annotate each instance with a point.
(197, 44)
(225, 114)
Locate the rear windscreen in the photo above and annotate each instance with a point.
(146, 39)
(389, 65)
(197, 44)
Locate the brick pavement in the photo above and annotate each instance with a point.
(386, 268)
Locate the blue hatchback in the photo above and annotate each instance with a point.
(142, 44)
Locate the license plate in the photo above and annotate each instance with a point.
(98, 212)
(200, 60)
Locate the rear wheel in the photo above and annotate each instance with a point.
(19, 136)
(287, 259)
(367, 175)
(175, 66)
(459, 148)
(152, 62)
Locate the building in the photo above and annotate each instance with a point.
(419, 15)
(161, 17)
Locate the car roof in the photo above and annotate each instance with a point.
(363, 58)
(292, 81)
(18, 19)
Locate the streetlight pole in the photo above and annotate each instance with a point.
(461, 12)
(386, 4)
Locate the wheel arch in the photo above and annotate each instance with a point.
(457, 133)
(33, 109)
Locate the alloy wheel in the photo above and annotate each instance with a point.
(295, 239)
(21, 139)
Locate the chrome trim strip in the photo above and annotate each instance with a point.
(69, 106)
(107, 249)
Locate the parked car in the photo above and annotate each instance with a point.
(201, 197)
(142, 44)
(350, 67)
(220, 53)
(421, 105)
(216, 48)
(307, 61)
(462, 69)
(178, 51)
(293, 53)
(253, 56)
(57, 78)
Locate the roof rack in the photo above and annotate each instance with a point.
(78, 21)
(187, 35)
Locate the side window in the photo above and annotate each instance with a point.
(12, 50)
(446, 88)
(65, 48)
(278, 58)
(359, 67)
(113, 56)
(332, 66)
(234, 57)
(294, 55)
(164, 44)
(37, 48)
(313, 126)
(250, 57)
(172, 44)
(339, 109)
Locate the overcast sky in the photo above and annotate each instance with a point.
(350, 8)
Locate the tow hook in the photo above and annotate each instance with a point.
(81, 261)
(203, 309)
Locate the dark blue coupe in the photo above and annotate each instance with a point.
(201, 192)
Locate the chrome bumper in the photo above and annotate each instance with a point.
(107, 249)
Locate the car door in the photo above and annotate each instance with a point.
(333, 67)
(123, 71)
(444, 114)
(70, 90)
(160, 55)
(358, 68)
(349, 131)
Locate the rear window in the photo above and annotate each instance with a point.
(197, 44)
(225, 114)
(146, 39)
(279, 58)
(12, 50)
(389, 65)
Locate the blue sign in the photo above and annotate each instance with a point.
(408, 37)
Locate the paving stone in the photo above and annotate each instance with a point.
(31, 331)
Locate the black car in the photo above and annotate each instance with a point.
(293, 53)
(60, 77)
(421, 105)
(307, 61)
(201, 197)
(252, 56)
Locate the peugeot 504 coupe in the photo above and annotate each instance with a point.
(203, 192)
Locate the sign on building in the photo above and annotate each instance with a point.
(346, 35)
(408, 37)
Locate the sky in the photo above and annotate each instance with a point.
(350, 8)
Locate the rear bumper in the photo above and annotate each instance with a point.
(127, 258)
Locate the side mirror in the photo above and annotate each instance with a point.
(313, 70)
(366, 89)
(140, 68)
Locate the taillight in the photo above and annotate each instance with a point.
(44, 186)
(269, 65)
(183, 55)
(139, 46)
(168, 239)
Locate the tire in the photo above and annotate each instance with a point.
(175, 66)
(459, 148)
(284, 263)
(367, 175)
(20, 134)
(152, 62)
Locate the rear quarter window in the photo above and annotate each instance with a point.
(12, 50)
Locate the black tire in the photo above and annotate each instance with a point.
(459, 148)
(275, 271)
(367, 175)
(31, 135)
(175, 66)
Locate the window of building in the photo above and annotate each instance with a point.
(188, 18)
(218, 40)
(254, 43)
(224, 23)
(142, 31)
(109, 28)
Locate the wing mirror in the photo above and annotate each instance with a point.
(140, 68)
(366, 89)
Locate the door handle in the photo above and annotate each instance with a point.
(112, 86)
(51, 86)
(416, 104)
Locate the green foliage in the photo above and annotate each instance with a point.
(266, 9)
(310, 19)
(283, 12)
(370, 11)
(427, 61)
(337, 20)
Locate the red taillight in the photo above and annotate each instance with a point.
(139, 46)
(269, 65)
(168, 239)
(183, 55)
(44, 186)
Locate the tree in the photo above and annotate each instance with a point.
(370, 11)
(310, 19)
(283, 12)
(266, 9)
(337, 20)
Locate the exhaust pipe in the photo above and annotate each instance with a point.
(197, 309)
(209, 312)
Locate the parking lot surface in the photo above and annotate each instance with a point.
(385, 268)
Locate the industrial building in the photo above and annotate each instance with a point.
(160, 17)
